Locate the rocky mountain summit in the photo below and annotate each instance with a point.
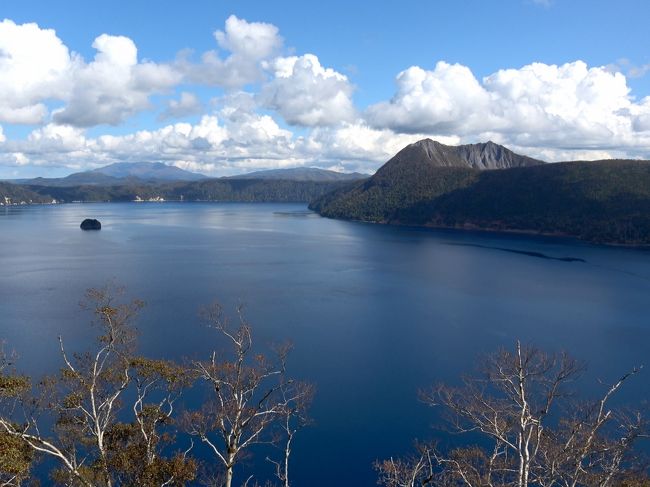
(493, 156)
(478, 156)
(489, 187)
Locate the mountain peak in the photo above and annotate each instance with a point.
(428, 144)
(487, 155)
(490, 155)
(147, 170)
(428, 152)
(301, 174)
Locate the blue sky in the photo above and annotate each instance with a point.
(356, 113)
(372, 41)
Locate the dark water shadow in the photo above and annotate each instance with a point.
(529, 253)
(296, 214)
(541, 255)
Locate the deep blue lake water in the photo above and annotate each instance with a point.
(374, 312)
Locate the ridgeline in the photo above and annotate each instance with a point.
(429, 184)
(159, 182)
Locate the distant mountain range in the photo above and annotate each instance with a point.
(486, 186)
(118, 173)
(302, 174)
(128, 173)
(145, 181)
(149, 171)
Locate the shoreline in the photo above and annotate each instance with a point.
(475, 228)
(466, 228)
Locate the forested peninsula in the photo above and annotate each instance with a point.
(488, 187)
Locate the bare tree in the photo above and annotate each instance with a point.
(84, 397)
(85, 403)
(514, 405)
(135, 447)
(593, 444)
(417, 470)
(250, 396)
(108, 417)
(296, 398)
(510, 404)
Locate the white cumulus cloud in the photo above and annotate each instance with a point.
(641, 116)
(114, 86)
(448, 99)
(186, 105)
(360, 144)
(59, 138)
(248, 44)
(564, 105)
(305, 93)
(571, 106)
(235, 139)
(35, 66)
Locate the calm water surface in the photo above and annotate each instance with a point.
(374, 312)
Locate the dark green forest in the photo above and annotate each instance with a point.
(244, 190)
(14, 193)
(600, 201)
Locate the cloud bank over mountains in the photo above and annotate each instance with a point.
(538, 105)
(269, 109)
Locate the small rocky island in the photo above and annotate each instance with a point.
(91, 224)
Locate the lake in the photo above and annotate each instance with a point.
(374, 312)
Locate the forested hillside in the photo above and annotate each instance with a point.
(16, 194)
(600, 201)
(205, 190)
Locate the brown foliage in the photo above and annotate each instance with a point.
(513, 404)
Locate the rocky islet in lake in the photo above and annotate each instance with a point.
(91, 224)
